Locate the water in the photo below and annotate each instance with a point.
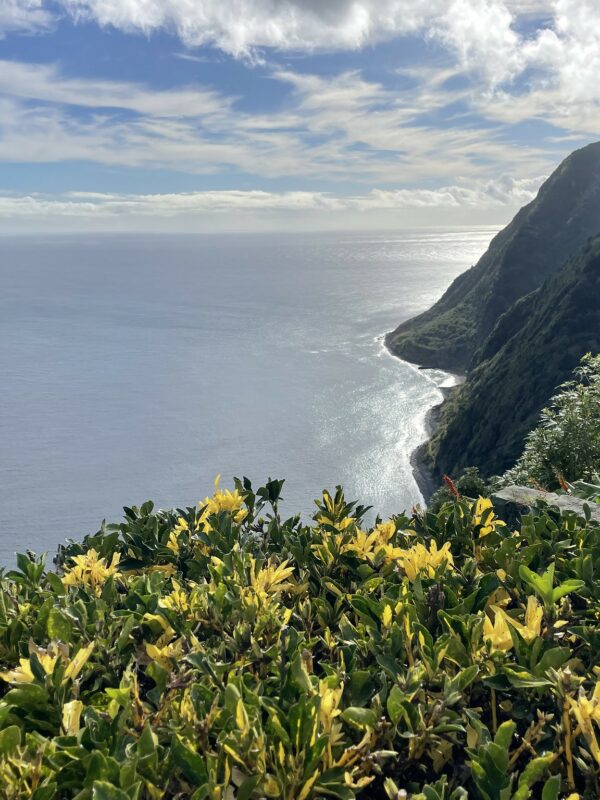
(139, 367)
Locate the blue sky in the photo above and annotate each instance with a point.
(288, 114)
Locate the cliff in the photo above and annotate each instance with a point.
(486, 421)
(481, 311)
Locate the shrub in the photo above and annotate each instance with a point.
(470, 484)
(222, 652)
(566, 444)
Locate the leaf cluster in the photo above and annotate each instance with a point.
(238, 655)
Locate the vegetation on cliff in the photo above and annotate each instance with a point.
(487, 420)
(222, 652)
(561, 454)
(458, 332)
(565, 445)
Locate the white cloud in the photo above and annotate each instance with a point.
(24, 15)
(558, 55)
(489, 194)
(482, 34)
(571, 52)
(475, 29)
(332, 128)
(564, 61)
(44, 82)
(241, 26)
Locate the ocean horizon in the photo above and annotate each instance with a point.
(139, 367)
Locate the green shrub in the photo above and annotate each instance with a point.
(470, 484)
(222, 652)
(566, 444)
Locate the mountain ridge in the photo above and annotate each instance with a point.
(460, 330)
(485, 422)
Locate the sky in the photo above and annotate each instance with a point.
(225, 115)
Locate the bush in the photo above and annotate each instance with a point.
(470, 484)
(222, 652)
(566, 444)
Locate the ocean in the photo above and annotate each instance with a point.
(139, 367)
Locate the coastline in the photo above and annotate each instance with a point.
(418, 458)
(423, 476)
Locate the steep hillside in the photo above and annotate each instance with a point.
(520, 258)
(486, 421)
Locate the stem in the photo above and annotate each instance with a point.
(568, 751)
(576, 733)
(494, 713)
(531, 735)
(409, 655)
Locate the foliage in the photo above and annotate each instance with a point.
(565, 446)
(224, 652)
(587, 490)
(469, 484)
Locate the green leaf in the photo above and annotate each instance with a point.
(360, 717)
(553, 659)
(147, 742)
(36, 667)
(134, 792)
(48, 792)
(55, 583)
(97, 769)
(361, 687)
(481, 781)
(466, 677)
(542, 584)
(247, 787)
(231, 698)
(504, 734)
(300, 675)
(202, 793)
(29, 697)
(566, 588)
(551, 788)
(192, 765)
(531, 774)
(332, 784)
(522, 679)
(102, 790)
(455, 688)
(10, 739)
(59, 626)
(394, 705)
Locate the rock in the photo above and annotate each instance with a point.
(514, 501)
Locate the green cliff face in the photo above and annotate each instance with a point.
(477, 315)
(486, 421)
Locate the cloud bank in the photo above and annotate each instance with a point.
(489, 194)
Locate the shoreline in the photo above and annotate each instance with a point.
(422, 474)
(418, 458)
